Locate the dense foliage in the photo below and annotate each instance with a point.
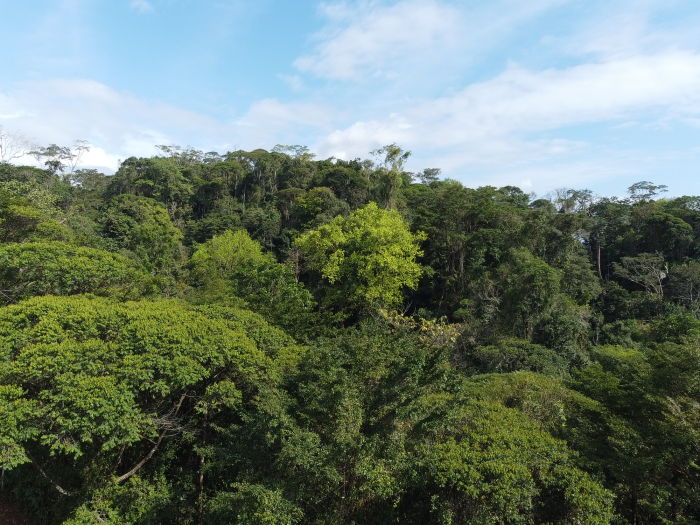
(264, 338)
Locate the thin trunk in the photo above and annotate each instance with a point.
(200, 481)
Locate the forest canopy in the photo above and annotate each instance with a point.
(259, 337)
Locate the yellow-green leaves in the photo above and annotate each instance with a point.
(81, 375)
(233, 264)
(214, 261)
(491, 465)
(367, 258)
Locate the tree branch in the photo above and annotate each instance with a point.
(151, 452)
(47, 478)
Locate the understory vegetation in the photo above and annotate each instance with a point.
(264, 338)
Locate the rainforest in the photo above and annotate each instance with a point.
(262, 337)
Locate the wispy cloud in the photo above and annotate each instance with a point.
(524, 101)
(373, 39)
(269, 121)
(119, 125)
(379, 36)
(142, 6)
(502, 92)
(493, 125)
(632, 27)
(294, 82)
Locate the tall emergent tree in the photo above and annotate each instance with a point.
(365, 259)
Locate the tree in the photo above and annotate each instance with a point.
(142, 227)
(666, 234)
(59, 268)
(233, 263)
(650, 440)
(648, 270)
(429, 175)
(12, 147)
(98, 399)
(392, 157)
(530, 286)
(515, 196)
(645, 190)
(58, 158)
(317, 206)
(158, 178)
(404, 440)
(390, 177)
(498, 467)
(20, 221)
(295, 151)
(347, 184)
(187, 156)
(215, 260)
(684, 285)
(511, 354)
(366, 259)
(573, 201)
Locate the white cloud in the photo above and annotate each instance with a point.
(488, 119)
(294, 82)
(97, 157)
(380, 36)
(116, 124)
(372, 39)
(507, 128)
(119, 125)
(142, 6)
(630, 28)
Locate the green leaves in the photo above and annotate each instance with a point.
(221, 255)
(15, 411)
(58, 268)
(161, 411)
(21, 221)
(252, 504)
(414, 443)
(367, 259)
(496, 467)
(142, 228)
(233, 264)
(92, 381)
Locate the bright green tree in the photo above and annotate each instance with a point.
(402, 438)
(21, 221)
(366, 259)
(234, 264)
(96, 395)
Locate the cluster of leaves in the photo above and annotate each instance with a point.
(263, 338)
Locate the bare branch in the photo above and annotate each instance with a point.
(153, 450)
(12, 147)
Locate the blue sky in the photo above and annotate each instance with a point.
(542, 94)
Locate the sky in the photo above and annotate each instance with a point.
(540, 94)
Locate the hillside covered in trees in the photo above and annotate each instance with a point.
(264, 338)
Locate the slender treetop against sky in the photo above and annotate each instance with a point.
(538, 94)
